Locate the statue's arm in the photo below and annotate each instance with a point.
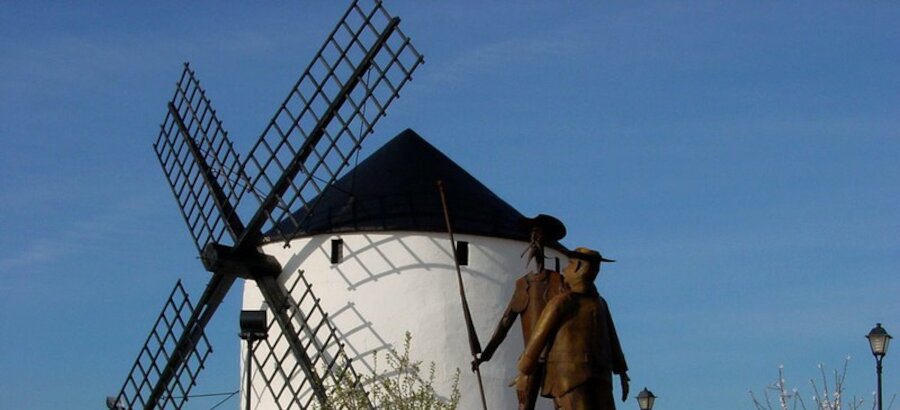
(545, 328)
(619, 365)
(506, 322)
(517, 303)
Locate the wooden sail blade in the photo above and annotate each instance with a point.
(170, 360)
(307, 371)
(334, 106)
(201, 165)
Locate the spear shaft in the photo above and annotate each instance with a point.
(474, 344)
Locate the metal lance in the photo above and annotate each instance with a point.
(474, 344)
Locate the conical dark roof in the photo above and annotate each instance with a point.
(395, 189)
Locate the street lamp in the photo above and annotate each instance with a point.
(254, 326)
(645, 399)
(878, 341)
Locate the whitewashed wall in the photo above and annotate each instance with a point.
(391, 283)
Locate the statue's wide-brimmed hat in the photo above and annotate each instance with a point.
(553, 228)
(586, 254)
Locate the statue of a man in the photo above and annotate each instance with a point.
(584, 350)
(533, 291)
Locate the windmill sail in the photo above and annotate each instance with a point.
(345, 90)
(354, 77)
(159, 347)
(278, 367)
(200, 164)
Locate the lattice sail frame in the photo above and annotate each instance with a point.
(192, 142)
(155, 353)
(278, 370)
(311, 138)
(295, 132)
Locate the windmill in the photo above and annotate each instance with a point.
(229, 203)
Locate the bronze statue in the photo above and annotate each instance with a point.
(584, 350)
(533, 291)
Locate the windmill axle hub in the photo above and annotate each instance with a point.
(248, 265)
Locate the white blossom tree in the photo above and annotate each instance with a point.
(825, 397)
(401, 386)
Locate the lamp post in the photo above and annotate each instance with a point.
(645, 399)
(254, 326)
(878, 341)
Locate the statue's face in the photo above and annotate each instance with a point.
(579, 273)
(537, 235)
(575, 271)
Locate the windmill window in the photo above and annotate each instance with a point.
(462, 253)
(337, 251)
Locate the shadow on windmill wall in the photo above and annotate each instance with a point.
(390, 283)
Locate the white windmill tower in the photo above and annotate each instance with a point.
(377, 253)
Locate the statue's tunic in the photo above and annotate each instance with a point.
(583, 345)
(533, 291)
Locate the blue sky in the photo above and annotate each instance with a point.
(739, 160)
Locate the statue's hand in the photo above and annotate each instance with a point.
(475, 363)
(515, 381)
(624, 379)
(520, 382)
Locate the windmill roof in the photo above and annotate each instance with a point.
(395, 189)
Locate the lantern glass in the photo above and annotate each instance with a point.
(879, 340)
(645, 399)
(646, 403)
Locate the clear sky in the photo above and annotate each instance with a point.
(739, 160)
